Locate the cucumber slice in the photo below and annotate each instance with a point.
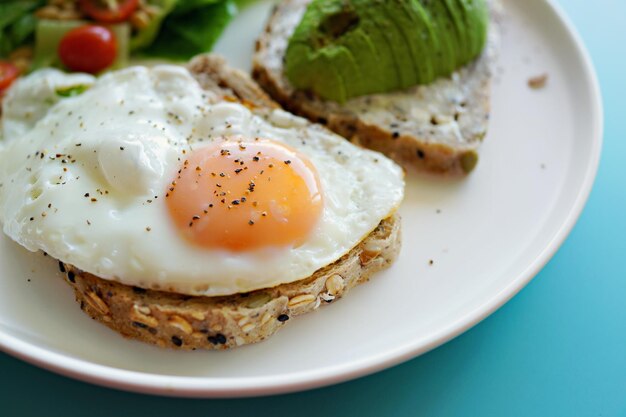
(49, 33)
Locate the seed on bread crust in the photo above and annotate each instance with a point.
(334, 285)
(300, 300)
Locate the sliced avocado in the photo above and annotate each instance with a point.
(346, 48)
(471, 40)
(458, 21)
(410, 21)
(445, 29)
(334, 86)
(431, 38)
(49, 33)
(377, 13)
(383, 61)
(347, 67)
(336, 22)
(317, 75)
(364, 52)
(480, 20)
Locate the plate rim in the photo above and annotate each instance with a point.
(207, 387)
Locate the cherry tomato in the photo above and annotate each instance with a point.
(8, 74)
(108, 11)
(88, 49)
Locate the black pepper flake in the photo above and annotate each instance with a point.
(238, 170)
(235, 202)
(148, 229)
(86, 195)
(196, 217)
(71, 276)
(177, 341)
(430, 262)
(287, 162)
(255, 158)
(395, 135)
(251, 223)
(93, 200)
(218, 339)
(283, 318)
(121, 148)
(420, 154)
(140, 325)
(32, 218)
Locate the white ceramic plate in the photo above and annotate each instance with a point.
(487, 235)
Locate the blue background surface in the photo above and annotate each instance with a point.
(557, 349)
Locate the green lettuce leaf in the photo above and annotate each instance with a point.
(195, 31)
(17, 23)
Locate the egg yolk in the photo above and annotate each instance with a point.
(245, 195)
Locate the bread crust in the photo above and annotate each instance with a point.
(195, 322)
(421, 148)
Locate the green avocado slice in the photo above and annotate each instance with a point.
(346, 48)
(445, 29)
(461, 44)
(384, 59)
(438, 51)
(415, 30)
(399, 14)
(363, 51)
(304, 73)
(377, 13)
(348, 69)
(469, 37)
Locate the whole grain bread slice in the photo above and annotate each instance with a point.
(195, 322)
(435, 128)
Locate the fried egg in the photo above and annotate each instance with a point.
(146, 179)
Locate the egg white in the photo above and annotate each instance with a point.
(83, 178)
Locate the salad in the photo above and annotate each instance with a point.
(96, 35)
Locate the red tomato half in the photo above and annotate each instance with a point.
(8, 74)
(88, 49)
(105, 11)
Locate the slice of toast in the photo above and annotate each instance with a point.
(434, 128)
(195, 322)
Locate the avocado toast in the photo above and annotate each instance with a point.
(435, 127)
